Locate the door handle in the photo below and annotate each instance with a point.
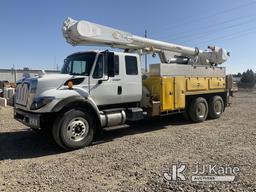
(119, 90)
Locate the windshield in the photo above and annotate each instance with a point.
(78, 64)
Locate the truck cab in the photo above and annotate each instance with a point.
(107, 82)
(99, 82)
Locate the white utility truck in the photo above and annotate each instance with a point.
(98, 89)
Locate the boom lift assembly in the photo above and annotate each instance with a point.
(98, 89)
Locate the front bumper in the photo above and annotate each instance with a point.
(29, 119)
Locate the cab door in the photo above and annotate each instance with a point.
(105, 90)
(132, 80)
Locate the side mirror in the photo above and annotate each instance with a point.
(110, 64)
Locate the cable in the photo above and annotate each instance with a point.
(193, 20)
(208, 26)
(210, 32)
(229, 37)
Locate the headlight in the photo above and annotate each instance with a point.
(40, 102)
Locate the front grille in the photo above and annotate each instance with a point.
(22, 93)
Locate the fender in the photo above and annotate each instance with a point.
(74, 101)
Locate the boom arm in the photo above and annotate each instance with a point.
(87, 33)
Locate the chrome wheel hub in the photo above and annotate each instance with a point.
(201, 110)
(78, 129)
(218, 107)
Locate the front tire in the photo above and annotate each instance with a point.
(74, 129)
(198, 110)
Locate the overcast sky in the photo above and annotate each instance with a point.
(31, 36)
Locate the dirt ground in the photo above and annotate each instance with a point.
(133, 158)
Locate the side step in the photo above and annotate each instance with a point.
(134, 113)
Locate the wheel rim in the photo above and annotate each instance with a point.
(78, 129)
(201, 110)
(218, 107)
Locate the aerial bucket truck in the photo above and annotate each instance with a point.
(99, 89)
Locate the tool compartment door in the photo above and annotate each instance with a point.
(179, 93)
(197, 83)
(167, 94)
(217, 83)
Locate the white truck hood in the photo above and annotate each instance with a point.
(53, 81)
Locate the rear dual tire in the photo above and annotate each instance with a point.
(199, 109)
(216, 107)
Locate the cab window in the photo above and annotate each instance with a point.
(116, 60)
(131, 65)
(78, 67)
(78, 64)
(98, 70)
(102, 68)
